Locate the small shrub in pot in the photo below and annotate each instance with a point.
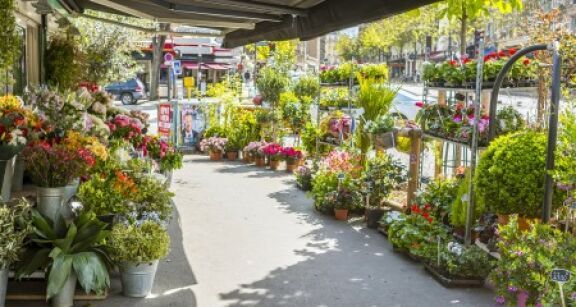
(137, 248)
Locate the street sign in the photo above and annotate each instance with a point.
(168, 58)
(177, 66)
(560, 275)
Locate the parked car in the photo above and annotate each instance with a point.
(128, 92)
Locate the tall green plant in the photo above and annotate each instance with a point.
(271, 83)
(9, 40)
(375, 98)
(63, 58)
(76, 249)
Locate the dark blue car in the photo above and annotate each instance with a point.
(128, 92)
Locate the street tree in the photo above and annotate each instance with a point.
(466, 11)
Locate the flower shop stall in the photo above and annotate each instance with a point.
(93, 179)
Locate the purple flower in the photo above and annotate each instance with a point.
(500, 300)
(519, 253)
(539, 305)
(457, 118)
(512, 289)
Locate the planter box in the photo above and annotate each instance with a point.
(449, 282)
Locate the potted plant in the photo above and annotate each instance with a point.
(304, 178)
(52, 166)
(232, 148)
(509, 177)
(72, 255)
(382, 131)
(250, 151)
(13, 129)
(381, 175)
(15, 226)
(215, 146)
(527, 258)
(273, 151)
(455, 266)
(292, 157)
(164, 154)
(260, 156)
(137, 249)
(345, 199)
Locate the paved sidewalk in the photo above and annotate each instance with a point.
(245, 236)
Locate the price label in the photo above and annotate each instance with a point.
(560, 275)
(573, 206)
(341, 176)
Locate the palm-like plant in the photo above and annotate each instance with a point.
(376, 99)
(76, 250)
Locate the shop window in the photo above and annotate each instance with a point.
(19, 72)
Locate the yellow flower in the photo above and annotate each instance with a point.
(9, 102)
(98, 149)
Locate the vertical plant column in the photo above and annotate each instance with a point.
(271, 83)
(9, 43)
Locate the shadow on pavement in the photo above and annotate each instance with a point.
(345, 264)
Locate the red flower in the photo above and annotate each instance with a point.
(466, 60)
(512, 51)
(453, 63)
(419, 104)
(501, 54)
(526, 62)
(415, 209)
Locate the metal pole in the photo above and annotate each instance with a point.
(552, 131)
(498, 83)
(474, 145)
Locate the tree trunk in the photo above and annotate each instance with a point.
(157, 60)
(463, 30)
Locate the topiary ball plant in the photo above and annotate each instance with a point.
(510, 175)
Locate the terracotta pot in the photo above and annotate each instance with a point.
(341, 214)
(274, 164)
(215, 155)
(290, 167)
(260, 162)
(232, 155)
(246, 157)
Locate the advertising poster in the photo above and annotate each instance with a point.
(193, 123)
(165, 120)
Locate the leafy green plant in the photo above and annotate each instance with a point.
(11, 41)
(430, 73)
(215, 131)
(459, 208)
(309, 135)
(152, 196)
(271, 83)
(416, 233)
(509, 120)
(307, 86)
(105, 194)
(376, 100)
(382, 124)
(63, 57)
(565, 167)
(510, 175)
(76, 249)
(462, 263)
(324, 184)
(438, 195)
(383, 173)
(138, 243)
(526, 261)
(15, 226)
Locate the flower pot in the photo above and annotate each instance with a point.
(260, 162)
(341, 214)
(215, 155)
(168, 175)
(3, 285)
(246, 158)
(49, 201)
(138, 278)
(6, 176)
(70, 190)
(384, 140)
(65, 298)
(18, 176)
(373, 216)
(291, 166)
(274, 164)
(232, 155)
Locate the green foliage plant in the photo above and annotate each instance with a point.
(76, 249)
(10, 39)
(307, 87)
(63, 61)
(438, 195)
(383, 174)
(271, 83)
(138, 243)
(15, 226)
(510, 175)
(468, 263)
(415, 233)
(526, 261)
(565, 167)
(459, 208)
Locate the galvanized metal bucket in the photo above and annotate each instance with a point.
(7, 172)
(18, 177)
(3, 285)
(65, 298)
(49, 202)
(138, 278)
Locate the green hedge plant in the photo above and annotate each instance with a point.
(138, 243)
(510, 175)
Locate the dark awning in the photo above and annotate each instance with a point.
(243, 21)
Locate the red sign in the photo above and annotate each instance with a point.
(165, 120)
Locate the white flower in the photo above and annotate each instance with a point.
(17, 138)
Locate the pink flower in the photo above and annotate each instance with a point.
(457, 118)
(419, 104)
